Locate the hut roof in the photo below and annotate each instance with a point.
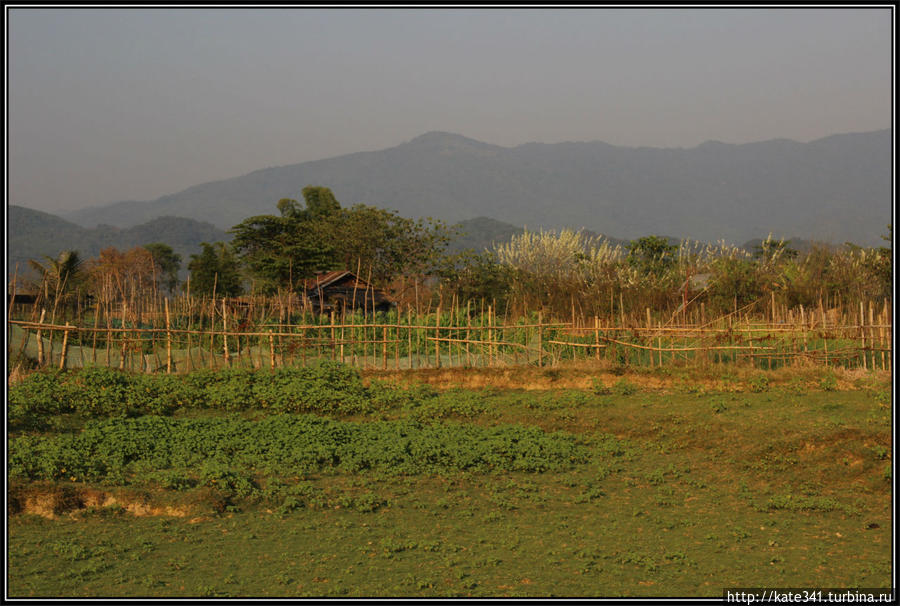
(328, 278)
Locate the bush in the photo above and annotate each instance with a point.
(599, 387)
(232, 389)
(828, 382)
(759, 383)
(40, 393)
(328, 387)
(624, 387)
(100, 392)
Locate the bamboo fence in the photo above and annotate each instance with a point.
(184, 334)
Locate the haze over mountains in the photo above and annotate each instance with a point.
(833, 189)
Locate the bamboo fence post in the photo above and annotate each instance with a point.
(659, 343)
(190, 314)
(540, 346)
(271, 350)
(108, 334)
(649, 330)
(168, 339)
(468, 332)
(40, 339)
(124, 337)
(805, 331)
(212, 332)
(94, 341)
(881, 330)
(343, 321)
(824, 332)
(597, 335)
(225, 333)
(418, 334)
(384, 329)
(862, 334)
(437, 336)
(333, 344)
(65, 346)
(397, 343)
(258, 364)
(871, 331)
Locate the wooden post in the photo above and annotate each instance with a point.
(649, 330)
(437, 335)
(331, 326)
(397, 344)
(168, 339)
(540, 346)
(805, 334)
(597, 335)
(881, 333)
(40, 339)
(225, 333)
(343, 308)
(65, 347)
(862, 334)
(659, 344)
(384, 346)
(271, 350)
(94, 342)
(824, 331)
(872, 334)
(490, 333)
(124, 337)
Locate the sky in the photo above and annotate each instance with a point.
(118, 104)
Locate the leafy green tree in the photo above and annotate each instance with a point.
(215, 270)
(473, 276)
(320, 202)
(382, 240)
(167, 262)
(652, 255)
(280, 251)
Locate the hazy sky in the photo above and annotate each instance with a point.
(118, 104)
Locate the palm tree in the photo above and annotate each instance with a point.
(59, 276)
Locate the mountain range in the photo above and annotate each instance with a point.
(33, 234)
(834, 189)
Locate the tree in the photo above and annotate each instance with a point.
(60, 276)
(320, 202)
(280, 251)
(652, 254)
(115, 275)
(167, 262)
(387, 243)
(215, 271)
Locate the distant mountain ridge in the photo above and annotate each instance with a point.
(837, 188)
(33, 234)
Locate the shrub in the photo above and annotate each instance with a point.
(40, 393)
(100, 392)
(624, 387)
(599, 387)
(231, 390)
(759, 383)
(828, 382)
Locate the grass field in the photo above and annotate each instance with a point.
(622, 486)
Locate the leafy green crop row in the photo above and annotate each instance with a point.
(102, 392)
(118, 451)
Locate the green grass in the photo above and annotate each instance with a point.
(676, 494)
